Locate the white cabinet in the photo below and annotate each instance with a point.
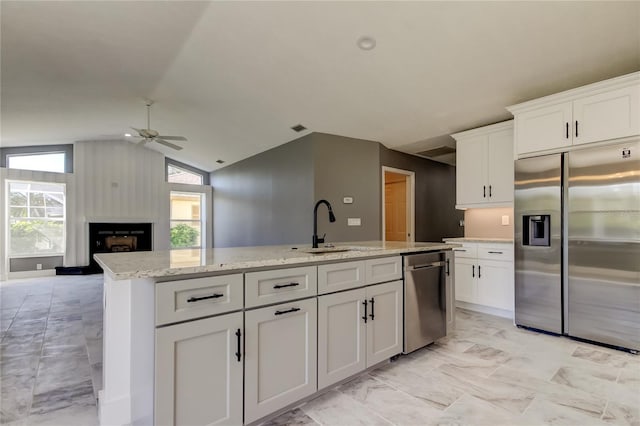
(484, 277)
(198, 372)
(280, 356)
(484, 166)
(357, 329)
(340, 276)
(450, 291)
(341, 336)
(384, 324)
(597, 112)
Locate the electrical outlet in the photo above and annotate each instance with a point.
(505, 220)
(353, 221)
(38, 266)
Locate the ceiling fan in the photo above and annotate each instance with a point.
(150, 135)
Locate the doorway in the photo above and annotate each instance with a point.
(398, 205)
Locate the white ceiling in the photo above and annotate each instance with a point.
(234, 76)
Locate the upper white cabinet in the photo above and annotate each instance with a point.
(597, 112)
(484, 166)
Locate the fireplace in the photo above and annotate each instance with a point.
(118, 238)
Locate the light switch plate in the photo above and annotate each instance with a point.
(505, 219)
(353, 221)
(347, 200)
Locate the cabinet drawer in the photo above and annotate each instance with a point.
(466, 251)
(496, 253)
(280, 285)
(383, 269)
(340, 276)
(198, 297)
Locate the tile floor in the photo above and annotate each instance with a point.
(51, 350)
(487, 372)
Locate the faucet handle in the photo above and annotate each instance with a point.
(321, 240)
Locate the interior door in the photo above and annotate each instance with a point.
(395, 199)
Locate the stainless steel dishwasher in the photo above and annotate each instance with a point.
(424, 299)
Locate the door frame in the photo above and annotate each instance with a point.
(411, 201)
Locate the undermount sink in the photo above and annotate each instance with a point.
(321, 250)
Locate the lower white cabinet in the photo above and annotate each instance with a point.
(281, 355)
(198, 372)
(357, 329)
(484, 275)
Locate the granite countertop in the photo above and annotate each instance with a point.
(165, 263)
(478, 240)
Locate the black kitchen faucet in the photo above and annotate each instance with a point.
(332, 218)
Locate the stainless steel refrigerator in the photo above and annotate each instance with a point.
(577, 244)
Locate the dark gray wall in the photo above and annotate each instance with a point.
(346, 167)
(436, 215)
(265, 199)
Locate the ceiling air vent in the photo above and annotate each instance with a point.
(437, 152)
(298, 128)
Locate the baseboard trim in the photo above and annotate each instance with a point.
(115, 411)
(485, 309)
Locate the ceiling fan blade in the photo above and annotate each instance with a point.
(173, 138)
(169, 144)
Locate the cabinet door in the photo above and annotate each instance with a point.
(465, 272)
(198, 377)
(500, 170)
(544, 128)
(341, 336)
(471, 170)
(495, 284)
(450, 291)
(384, 324)
(280, 360)
(606, 116)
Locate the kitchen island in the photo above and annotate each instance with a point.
(219, 307)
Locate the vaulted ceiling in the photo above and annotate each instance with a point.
(233, 77)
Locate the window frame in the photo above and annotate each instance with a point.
(7, 225)
(186, 167)
(16, 151)
(202, 221)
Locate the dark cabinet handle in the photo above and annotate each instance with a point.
(479, 275)
(288, 311)
(238, 353)
(576, 128)
(484, 191)
(365, 311)
(473, 271)
(197, 299)
(448, 266)
(489, 191)
(495, 252)
(567, 132)
(373, 301)
(286, 285)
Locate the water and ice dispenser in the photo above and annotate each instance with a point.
(536, 230)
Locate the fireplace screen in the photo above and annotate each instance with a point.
(120, 244)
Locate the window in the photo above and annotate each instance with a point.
(46, 162)
(178, 172)
(187, 219)
(36, 218)
(178, 175)
(44, 158)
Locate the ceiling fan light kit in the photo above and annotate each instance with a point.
(150, 135)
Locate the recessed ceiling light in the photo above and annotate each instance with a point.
(220, 161)
(366, 43)
(298, 128)
(128, 135)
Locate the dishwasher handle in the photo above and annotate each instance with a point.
(438, 264)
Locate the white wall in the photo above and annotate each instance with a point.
(117, 182)
(113, 181)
